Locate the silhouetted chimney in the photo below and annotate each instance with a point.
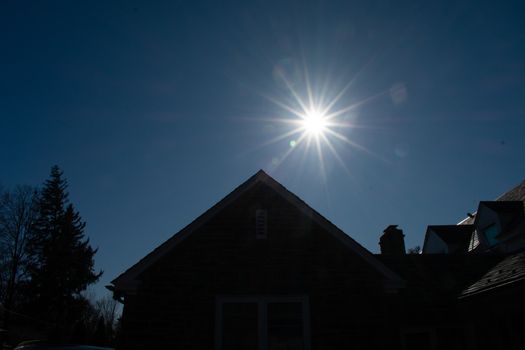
(392, 241)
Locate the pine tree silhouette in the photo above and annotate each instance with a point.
(61, 258)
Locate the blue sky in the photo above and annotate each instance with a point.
(156, 110)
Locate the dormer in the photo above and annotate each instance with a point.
(447, 239)
(497, 222)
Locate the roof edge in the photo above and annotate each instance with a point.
(128, 278)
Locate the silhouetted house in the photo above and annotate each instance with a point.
(258, 270)
(489, 281)
(495, 303)
(499, 224)
(263, 270)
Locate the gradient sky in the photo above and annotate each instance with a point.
(156, 110)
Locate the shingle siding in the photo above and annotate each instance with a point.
(175, 303)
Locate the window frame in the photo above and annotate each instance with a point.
(262, 302)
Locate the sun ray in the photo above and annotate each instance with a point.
(335, 154)
(329, 106)
(347, 86)
(285, 106)
(282, 136)
(309, 90)
(324, 91)
(318, 119)
(321, 159)
(294, 93)
(354, 105)
(355, 144)
(273, 140)
(289, 151)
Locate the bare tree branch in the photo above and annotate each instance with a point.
(17, 213)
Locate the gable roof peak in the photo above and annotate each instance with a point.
(262, 175)
(128, 279)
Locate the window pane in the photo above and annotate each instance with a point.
(451, 339)
(240, 330)
(491, 233)
(285, 326)
(417, 341)
(474, 241)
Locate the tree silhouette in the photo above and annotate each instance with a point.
(17, 213)
(100, 336)
(61, 262)
(414, 250)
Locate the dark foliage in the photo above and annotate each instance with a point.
(17, 213)
(414, 250)
(61, 262)
(100, 337)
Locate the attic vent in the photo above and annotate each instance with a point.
(261, 231)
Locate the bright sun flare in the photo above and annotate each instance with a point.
(314, 122)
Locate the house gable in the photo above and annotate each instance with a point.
(434, 244)
(271, 191)
(447, 239)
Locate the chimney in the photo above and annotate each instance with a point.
(392, 241)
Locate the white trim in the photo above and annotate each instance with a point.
(262, 302)
(130, 276)
(262, 317)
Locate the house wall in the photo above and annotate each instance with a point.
(484, 218)
(434, 244)
(496, 318)
(176, 301)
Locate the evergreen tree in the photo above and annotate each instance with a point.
(61, 258)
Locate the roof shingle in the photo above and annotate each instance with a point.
(509, 270)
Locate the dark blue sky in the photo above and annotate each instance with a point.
(155, 111)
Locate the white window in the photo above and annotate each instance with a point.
(261, 230)
(262, 323)
(474, 241)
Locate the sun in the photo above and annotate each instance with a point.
(314, 122)
(318, 120)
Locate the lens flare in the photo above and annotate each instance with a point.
(318, 120)
(314, 122)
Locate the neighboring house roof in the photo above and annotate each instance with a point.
(503, 206)
(454, 235)
(516, 193)
(439, 275)
(468, 220)
(510, 270)
(127, 281)
(510, 213)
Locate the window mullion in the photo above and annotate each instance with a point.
(263, 325)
